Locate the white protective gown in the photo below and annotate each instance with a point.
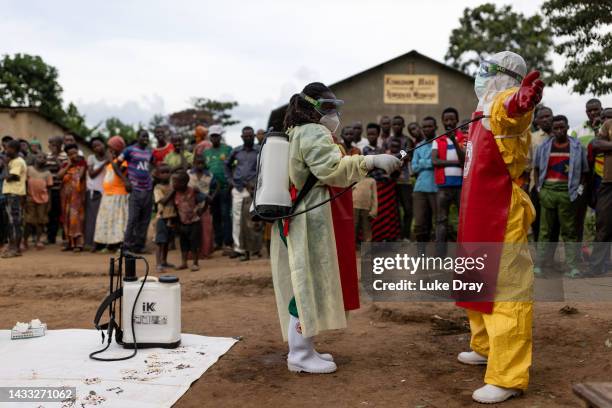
(307, 267)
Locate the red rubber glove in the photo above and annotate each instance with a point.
(527, 97)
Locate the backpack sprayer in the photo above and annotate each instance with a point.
(271, 198)
(153, 309)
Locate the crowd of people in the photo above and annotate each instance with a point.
(567, 175)
(196, 190)
(199, 190)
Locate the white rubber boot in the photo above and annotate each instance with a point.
(302, 356)
(471, 358)
(324, 356)
(492, 394)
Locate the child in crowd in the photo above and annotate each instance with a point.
(347, 142)
(180, 158)
(70, 140)
(39, 180)
(190, 203)
(365, 208)
(163, 147)
(203, 180)
(113, 213)
(251, 232)
(372, 134)
(166, 216)
(73, 198)
(3, 216)
(35, 147)
(14, 191)
(25, 153)
(56, 159)
(96, 167)
(386, 226)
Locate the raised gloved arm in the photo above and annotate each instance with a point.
(527, 96)
(512, 109)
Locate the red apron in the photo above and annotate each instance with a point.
(344, 231)
(483, 214)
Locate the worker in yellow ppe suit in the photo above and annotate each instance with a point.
(303, 252)
(496, 158)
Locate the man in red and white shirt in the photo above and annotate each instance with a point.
(163, 147)
(447, 156)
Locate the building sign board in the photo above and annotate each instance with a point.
(411, 89)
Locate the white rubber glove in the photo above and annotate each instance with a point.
(386, 162)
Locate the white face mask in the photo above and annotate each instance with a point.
(480, 86)
(330, 121)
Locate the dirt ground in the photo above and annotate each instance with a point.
(391, 355)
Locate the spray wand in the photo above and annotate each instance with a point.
(403, 156)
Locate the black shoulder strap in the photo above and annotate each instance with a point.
(104, 305)
(308, 185)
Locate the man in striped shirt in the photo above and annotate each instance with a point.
(560, 168)
(56, 158)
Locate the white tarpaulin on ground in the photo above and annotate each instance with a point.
(154, 378)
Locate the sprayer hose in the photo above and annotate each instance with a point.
(338, 194)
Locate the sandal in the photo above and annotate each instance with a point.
(573, 274)
(9, 254)
(195, 268)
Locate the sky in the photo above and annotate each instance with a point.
(133, 59)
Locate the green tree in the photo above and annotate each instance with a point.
(204, 112)
(75, 121)
(486, 30)
(220, 111)
(157, 120)
(114, 126)
(27, 81)
(583, 27)
(184, 122)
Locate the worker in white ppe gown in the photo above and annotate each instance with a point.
(303, 254)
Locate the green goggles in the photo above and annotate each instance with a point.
(322, 105)
(488, 69)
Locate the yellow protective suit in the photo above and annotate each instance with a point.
(307, 267)
(505, 335)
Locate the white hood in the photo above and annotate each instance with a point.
(499, 82)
